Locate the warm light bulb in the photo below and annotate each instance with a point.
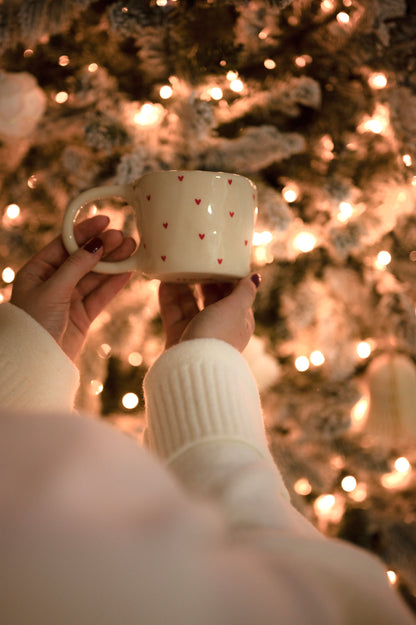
(231, 76)
(96, 387)
(377, 80)
(269, 64)
(149, 114)
(302, 486)
(237, 85)
(407, 160)
(383, 258)
(8, 275)
(290, 192)
(63, 60)
(343, 18)
(348, 483)
(364, 349)
(305, 241)
(216, 93)
(359, 412)
(345, 211)
(92, 67)
(166, 92)
(392, 577)
(262, 238)
(402, 465)
(135, 359)
(61, 97)
(12, 211)
(317, 358)
(130, 401)
(327, 6)
(302, 363)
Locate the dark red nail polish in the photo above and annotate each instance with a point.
(94, 245)
(256, 279)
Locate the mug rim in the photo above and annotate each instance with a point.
(192, 171)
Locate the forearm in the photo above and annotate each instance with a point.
(35, 373)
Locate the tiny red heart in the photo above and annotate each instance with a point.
(232, 213)
(165, 225)
(230, 181)
(219, 260)
(180, 178)
(198, 201)
(144, 246)
(148, 197)
(202, 236)
(246, 242)
(163, 258)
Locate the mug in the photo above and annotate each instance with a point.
(193, 226)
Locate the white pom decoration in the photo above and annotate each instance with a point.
(391, 413)
(22, 104)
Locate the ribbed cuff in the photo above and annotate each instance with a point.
(202, 390)
(35, 373)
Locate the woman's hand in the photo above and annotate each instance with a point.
(59, 290)
(226, 315)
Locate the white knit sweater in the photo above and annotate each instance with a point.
(95, 530)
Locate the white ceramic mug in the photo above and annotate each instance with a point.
(193, 226)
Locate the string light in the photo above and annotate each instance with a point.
(343, 18)
(304, 241)
(61, 97)
(383, 259)
(269, 64)
(348, 483)
(149, 114)
(32, 181)
(302, 61)
(262, 238)
(377, 80)
(237, 85)
(63, 60)
(290, 192)
(363, 349)
(345, 211)
(216, 93)
(92, 67)
(402, 465)
(302, 486)
(392, 577)
(166, 92)
(27, 53)
(329, 508)
(8, 275)
(104, 350)
(359, 493)
(407, 160)
(130, 401)
(317, 358)
(12, 211)
(96, 387)
(327, 6)
(378, 123)
(135, 359)
(359, 413)
(302, 363)
(263, 34)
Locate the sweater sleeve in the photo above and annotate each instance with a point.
(204, 420)
(35, 373)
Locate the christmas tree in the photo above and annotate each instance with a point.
(315, 101)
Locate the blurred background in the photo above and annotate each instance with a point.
(315, 101)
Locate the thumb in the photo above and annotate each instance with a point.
(76, 266)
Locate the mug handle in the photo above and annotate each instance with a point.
(68, 236)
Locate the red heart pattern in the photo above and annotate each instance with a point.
(200, 234)
(180, 178)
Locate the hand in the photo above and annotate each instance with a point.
(227, 314)
(59, 290)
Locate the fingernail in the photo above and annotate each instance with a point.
(256, 279)
(94, 245)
